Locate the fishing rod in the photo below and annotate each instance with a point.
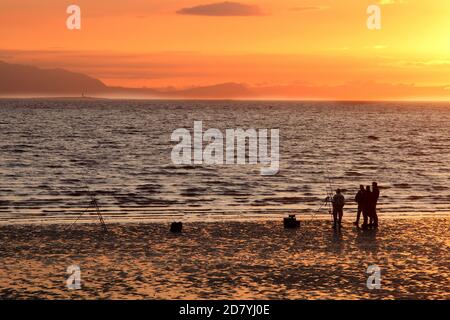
(328, 202)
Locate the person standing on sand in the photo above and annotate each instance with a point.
(359, 200)
(366, 207)
(338, 208)
(375, 196)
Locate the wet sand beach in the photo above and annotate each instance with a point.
(227, 260)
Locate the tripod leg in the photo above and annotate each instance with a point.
(100, 217)
(85, 210)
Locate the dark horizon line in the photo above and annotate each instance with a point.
(222, 99)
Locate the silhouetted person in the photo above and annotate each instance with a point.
(338, 208)
(367, 207)
(375, 196)
(359, 200)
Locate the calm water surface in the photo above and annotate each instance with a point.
(51, 150)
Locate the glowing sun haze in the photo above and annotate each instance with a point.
(185, 43)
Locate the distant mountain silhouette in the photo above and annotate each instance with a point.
(19, 80)
(22, 79)
(224, 90)
(217, 91)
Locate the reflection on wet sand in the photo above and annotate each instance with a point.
(230, 260)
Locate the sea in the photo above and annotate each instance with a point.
(57, 155)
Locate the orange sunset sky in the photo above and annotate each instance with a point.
(270, 43)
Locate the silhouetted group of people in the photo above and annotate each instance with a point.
(367, 205)
(367, 200)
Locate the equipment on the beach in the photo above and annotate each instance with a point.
(328, 201)
(291, 222)
(94, 205)
(176, 227)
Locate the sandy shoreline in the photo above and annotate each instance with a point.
(197, 217)
(227, 260)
